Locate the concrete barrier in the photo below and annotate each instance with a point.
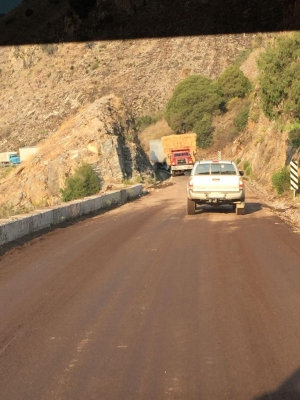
(22, 225)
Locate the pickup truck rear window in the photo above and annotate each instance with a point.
(215, 169)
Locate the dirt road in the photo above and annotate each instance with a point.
(145, 302)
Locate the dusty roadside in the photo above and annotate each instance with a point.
(284, 206)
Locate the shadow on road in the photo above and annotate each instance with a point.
(228, 209)
(289, 390)
(253, 207)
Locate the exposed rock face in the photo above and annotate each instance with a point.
(102, 134)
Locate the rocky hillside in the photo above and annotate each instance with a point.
(101, 134)
(43, 85)
(264, 145)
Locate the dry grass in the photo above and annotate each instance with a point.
(225, 132)
(154, 131)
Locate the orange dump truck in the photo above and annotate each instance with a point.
(179, 151)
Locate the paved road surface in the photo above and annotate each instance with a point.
(145, 302)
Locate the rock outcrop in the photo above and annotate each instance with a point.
(101, 134)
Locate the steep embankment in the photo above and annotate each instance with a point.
(264, 144)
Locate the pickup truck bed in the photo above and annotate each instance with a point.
(215, 183)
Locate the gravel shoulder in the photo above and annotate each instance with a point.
(284, 207)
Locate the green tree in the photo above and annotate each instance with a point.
(194, 101)
(204, 130)
(279, 78)
(241, 119)
(233, 83)
(84, 182)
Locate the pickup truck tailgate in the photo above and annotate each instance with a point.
(216, 183)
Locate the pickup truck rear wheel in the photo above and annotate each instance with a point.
(191, 207)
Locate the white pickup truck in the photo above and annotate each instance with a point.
(216, 183)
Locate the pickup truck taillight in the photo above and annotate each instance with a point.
(241, 184)
(191, 183)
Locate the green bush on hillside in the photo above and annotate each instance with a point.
(144, 121)
(233, 83)
(279, 78)
(247, 168)
(241, 119)
(281, 180)
(294, 135)
(194, 101)
(204, 130)
(84, 182)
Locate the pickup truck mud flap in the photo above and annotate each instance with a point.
(240, 208)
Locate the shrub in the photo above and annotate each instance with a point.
(233, 83)
(255, 116)
(248, 170)
(144, 121)
(241, 119)
(6, 210)
(194, 101)
(84, 182)
(204, 131)
(281, 180)
(280, 78)
(294, 135)
(246, 164)
(242, 56)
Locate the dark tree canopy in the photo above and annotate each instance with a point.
(233, 83)
(192, 105)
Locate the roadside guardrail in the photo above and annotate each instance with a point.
(21, 225)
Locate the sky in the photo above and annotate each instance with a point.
(7, 5)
